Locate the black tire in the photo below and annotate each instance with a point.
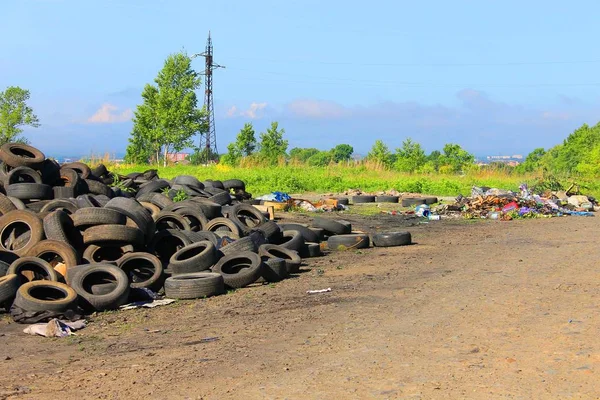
(6, 205)
(28, 191)
(82, 280)
(105, 253)
(119, 234)
(195, 257)
(292, 240)
(387, 199)
(310, 250)
(82, 169)
(65, 205)
(222, 198)
(136, 212)
(342, 200)
(188, 180)
(144, 270)
(158, 199)
(217, 184)
(292, 259)
(41, 296)
(348, 242)
(37, 205)
(247, 217)
(58, 225)
(54, 252)
(15, 224)
(92, 216)
(274, 269)
(234, 184)
(413, 201)
(195, 218)
(390, 239)
(202, 235)
(239, 246)
(210, 209)
(64, 192)
(9, 284)
(363, 199)
(96, 187)
(86, 201)
(102, 199)
(17, 203)
(271, 231)
(21, 155)
(240, 269)
(99, 171)
(170, 220)
(194, 286)
(69, 177)
(153, 186)
(32, 269)
(307, 234)
(431, 200)
(50, 172)
(152, 208)
(225, 224)
(319, 232)
(23, 175)
(332, 227)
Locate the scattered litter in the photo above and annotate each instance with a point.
(147, 304)
(55, 328)
(318, 291)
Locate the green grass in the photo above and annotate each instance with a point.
(294, 179)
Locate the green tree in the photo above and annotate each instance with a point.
(456, 157)
(168, 117)
(320, 159)
(202, 155)
(380, 154)
(576, 149)
(14, 114)
(303, 154)
(532, 161)
(233, 155)
(342, 152)
(272, 144)
(246, 141)
(410, 157)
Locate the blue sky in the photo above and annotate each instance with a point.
(495, 77)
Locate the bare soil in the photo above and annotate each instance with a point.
(485, 310)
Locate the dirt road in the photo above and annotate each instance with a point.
(487, 310)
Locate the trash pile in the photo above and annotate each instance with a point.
(507, 205)
(75, 240)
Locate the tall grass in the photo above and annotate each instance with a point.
(338, 178)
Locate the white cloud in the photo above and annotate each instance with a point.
(255, 111)
(317, 109)
(110, 114)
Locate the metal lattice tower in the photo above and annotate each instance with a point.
(208, 140)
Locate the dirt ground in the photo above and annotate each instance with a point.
(474, 310)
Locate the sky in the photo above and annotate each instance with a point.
(496, 77)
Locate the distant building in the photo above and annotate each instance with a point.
(177, 157)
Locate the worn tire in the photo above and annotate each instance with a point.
(40, 296)
(431, 200)
(58, 225)
(239, 246)
(292, 240)
(387, 199)
(390, 239)
(65, 205)
(23, 175)
(202, 235)
(105, 253)
(413, 201)
(195, 218)
(32, 269)
(188, 180)
(158, 199)
(87, 217)
(307, 234)
(64, 192)
(234, 184)
(332, 227)
(82, 169)
(19, 222)
(136, 212)
(21, 155)
(170, 220)
(347, 242)
(69, 178)
(60, 255)
(363, 199)
(225, 224)
(239, 270)
(221, 198)
(144, 270)
(310, 250)
(247, 217)
(195, 257)
(152, 208)
(6, 205)
(292, 259)
(96, 187)
(82, 280)
(9, 284)
(210, 209)
(153, 186)
(194, 286)
(168, 242)
(271, 231)
(120, 234)
(28, 191)
(274, 269)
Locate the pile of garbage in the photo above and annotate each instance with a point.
(507, 205)
(75, 240)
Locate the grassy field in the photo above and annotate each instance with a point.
(292, 179)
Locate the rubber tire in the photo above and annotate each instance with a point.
(170, 220)
(222, 198)
(292, 240)
(69, 178)
(194, 286)
(307, 234)
(413, 201)
(234, 184)
(110, 301)
(210, 209)
(391, 239)
(92, 253)
(58, 225)
(6, 205)
(121, 234)
(9, 284)
(64, 192)
(240, 245)
(188, 180)
(310, 250)
(332, 227)
(131, 264)
(28, 191)
(196, 219)
(292, 259)
(65, 251)
(319, 232)
(99, 171)
(247, 211)
(65, 205)
(136, 212)
(251, 269)
(274, 269)
(168, 242)
(387, 199)
(96, 187)
(27, 302)
(202, 235)
(158, 199)
(82, 169)
(271, 231)
(195, 257)
(24, 264)
(221, 222)
(363, 199)
(92, 216)
(431, 200)
(153, 186)
(15, 174)
(32, 157)
(28, 218)
(352, 241)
